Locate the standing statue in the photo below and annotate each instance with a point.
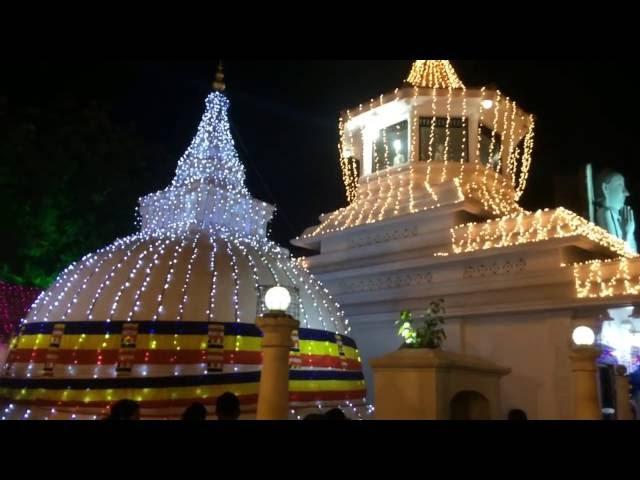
(611, 212)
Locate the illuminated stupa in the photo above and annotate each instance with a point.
(166, 317)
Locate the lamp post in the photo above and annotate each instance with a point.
(583, 367)
(277, 327)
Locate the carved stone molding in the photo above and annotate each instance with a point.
(494, 268)
(380, 282)
(383, 237)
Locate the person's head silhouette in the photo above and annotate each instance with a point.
(228, 407)
(315, 416)
(196, 411)
(124, 410)
(517, 414)
(335, 414)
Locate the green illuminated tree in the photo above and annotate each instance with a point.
(69, 179)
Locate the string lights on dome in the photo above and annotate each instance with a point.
(185, 285)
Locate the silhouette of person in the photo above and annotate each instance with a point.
(124, 410)
(228, 407)
(195, 412)
(516, 414)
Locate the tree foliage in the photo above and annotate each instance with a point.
(70, 178)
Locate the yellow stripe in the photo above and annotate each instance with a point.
(314, 347)
(33, 341)
(138, 394)
(325, 385)
(177, 342)
(248, 344)
(145, 342)
(352, 353)
(148, 394)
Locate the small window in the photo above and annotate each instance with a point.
(391, 147)
(489, 156)
(454, 144)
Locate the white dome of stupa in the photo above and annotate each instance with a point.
(167, 316)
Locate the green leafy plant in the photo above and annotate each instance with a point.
(427, 330)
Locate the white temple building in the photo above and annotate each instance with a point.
(433, 173)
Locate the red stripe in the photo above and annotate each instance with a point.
(245, 400)
(250, 399)
(152, 357)
(328, 361)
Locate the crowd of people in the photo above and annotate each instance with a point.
(227, 408)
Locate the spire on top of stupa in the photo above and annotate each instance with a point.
(218, 83)
(208, 189)
(434, 74)
(212, 156)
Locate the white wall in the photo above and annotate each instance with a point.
(374, 340)
(536, 349)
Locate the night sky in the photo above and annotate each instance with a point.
(285, 114)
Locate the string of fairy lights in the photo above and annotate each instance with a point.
(497, 180)
(607, 278)
(447, 132)
(170, 230)
(528, 227)
(146, 301)
(207, 217)
(433, 73)
(437, 93)
(187, 280)
(196, 237)
(432, 136)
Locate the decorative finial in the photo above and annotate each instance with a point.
(218, 84)
(434, 74)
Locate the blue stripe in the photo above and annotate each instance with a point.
(242, 329)
(324, 375)
(174, 328)
(324, 336)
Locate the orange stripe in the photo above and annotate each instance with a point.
(245, 400)
(151, 404)
(328, 361)
(152, 357)
(169, 357)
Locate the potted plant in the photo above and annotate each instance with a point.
(425, 332)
